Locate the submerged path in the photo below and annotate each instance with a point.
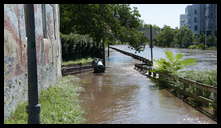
(123, 95)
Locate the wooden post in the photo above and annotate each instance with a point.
(151, 44)
(33, 107)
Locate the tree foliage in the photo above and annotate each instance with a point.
(165, 37)
(107, 22)
(183, 37)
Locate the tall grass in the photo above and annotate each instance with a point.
(206, 77)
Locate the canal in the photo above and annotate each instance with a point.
(123, 95)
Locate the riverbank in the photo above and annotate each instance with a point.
(59, 104)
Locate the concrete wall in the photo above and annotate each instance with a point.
(48, 52)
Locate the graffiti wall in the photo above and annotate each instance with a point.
(48, 50)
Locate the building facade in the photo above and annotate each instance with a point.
(211, 19)
(182, 20)
(48, 51)
(200, 18)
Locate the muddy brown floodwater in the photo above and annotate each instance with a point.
(123, 95)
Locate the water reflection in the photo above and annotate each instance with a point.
(123, 95)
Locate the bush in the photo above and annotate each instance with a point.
(205, 77)
(196, 46)
(172, 63)
(76, 46)
(211, 40)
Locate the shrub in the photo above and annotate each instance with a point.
(76, 46)
(197, 46)
(172, 63)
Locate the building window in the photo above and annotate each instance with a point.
(44, 20)
(195, 28)
(195, 20)
(195, 11)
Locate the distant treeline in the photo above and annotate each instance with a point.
(182, 38)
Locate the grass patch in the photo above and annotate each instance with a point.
(59, 104)
(82, 61)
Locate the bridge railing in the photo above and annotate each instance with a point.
(190, 91)
(148, 62)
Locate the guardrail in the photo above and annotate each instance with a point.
(76, 68)
(148, 62)
(188, 96)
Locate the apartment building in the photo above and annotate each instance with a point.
(200, 18)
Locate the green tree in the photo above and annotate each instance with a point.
(102, 21)
(166, 37)
(199, 38)
(211, 40)
(183, 37)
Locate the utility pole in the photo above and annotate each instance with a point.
(103, 39)
(33, 107)
(151, 44)
(205, 40)
(103, 51)
(108, 49)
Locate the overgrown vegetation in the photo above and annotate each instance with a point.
(173, 63)
(76, 46)
(59, 104)
(79, 61)
(208, 77)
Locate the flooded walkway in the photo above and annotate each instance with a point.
(123, 95)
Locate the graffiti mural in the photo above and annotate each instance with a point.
(48, 53)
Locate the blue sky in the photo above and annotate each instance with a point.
(161, 14)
